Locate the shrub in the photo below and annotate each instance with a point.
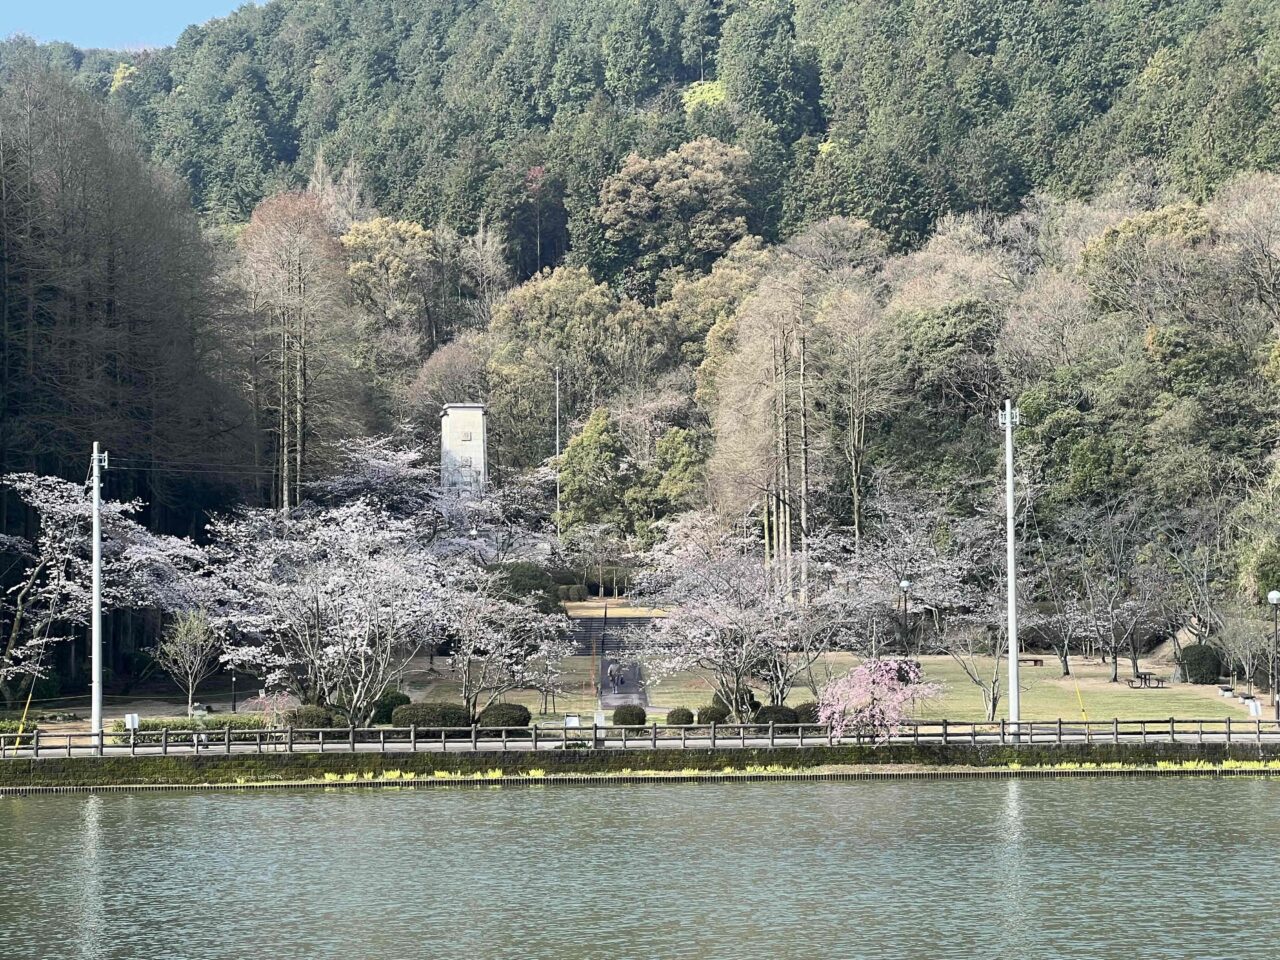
(577, 592)
(749, 704)
(526, 579)
(1201, 663)
(713, 713)
(149, 727)
(680, 717)
(505, 715)
(309, 716)
(630, 715)
(386, 704)
(430, 714)
(11, 726)
(776, 714)
(807, 712)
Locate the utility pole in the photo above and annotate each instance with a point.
(557, 451)
(1008, 420)
(95, 721)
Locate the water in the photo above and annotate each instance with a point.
(904, 869)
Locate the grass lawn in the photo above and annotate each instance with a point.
(1045, 694)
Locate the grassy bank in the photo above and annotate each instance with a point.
(289, 768)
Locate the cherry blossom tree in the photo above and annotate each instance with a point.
(51, 597)
(499, 644)
(875, 698)
(330, 604)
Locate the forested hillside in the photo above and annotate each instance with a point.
(784, 259)
(515, 112)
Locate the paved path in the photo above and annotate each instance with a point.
(630, 690)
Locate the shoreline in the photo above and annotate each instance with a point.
(661, 777)
(614, 766)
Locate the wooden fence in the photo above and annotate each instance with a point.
(38, 743)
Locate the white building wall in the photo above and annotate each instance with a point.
(464, 447)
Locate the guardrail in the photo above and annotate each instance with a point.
(38, 744)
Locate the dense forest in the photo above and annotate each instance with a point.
(787, 258)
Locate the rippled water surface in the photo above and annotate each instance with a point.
(1072, 868)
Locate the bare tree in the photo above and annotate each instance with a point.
(189, 652)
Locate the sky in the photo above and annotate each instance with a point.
(116, 24)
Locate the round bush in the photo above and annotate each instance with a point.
(680, 717)
(629, 715)
(386, 705)
(713, 713)
(776, 714)
(505, 715)
(1201, 663)
(807, 712)
(749, 703)
(309, 716)
(430, 714)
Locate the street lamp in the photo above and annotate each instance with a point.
(906, 596)
(233, 689)
(1273, 598)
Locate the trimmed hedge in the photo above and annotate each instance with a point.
(386, 704)
(1201, 663)
(807, 712)
(776, 714)
(11, 726)
(505, 715)
(713, 713)
(749, 703)
(680, 717)
(149, 727)
(310, 717)
(630, 715)
(430, 714)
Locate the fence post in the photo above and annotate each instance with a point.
(624, 737)
(257, 740)
(504, 739)
(535, 736)
(1115, 729)
(35, 742)
(133, 743)
(683, 743)
(944, 733)
(1144, 731)
(475, 732)
(653, 743)
(351, 738)
(1173, 731)
(742, 734)
(1200, 731)
(1002, 732)
(382, 740)
(713, 734)
(771, 733)
(1228, 729)
(1259, 726)
(321, 732)
(289, 739)
(68, 744)
(1059, 731)
(226, 737)
(915, 732)
(100, 742)
(413, 738)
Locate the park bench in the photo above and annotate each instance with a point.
(1226, 690)
(1032, 661)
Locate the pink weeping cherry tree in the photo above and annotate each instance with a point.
(875, 698)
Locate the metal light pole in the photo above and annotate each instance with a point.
(233, 689)
(1008, 420)
(906, 597)
(95, 621)
(1273, 598)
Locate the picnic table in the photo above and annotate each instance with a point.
(1146, 680)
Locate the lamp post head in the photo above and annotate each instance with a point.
(1273, 597)
(906, 586)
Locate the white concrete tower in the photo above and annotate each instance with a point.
(464, 447)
